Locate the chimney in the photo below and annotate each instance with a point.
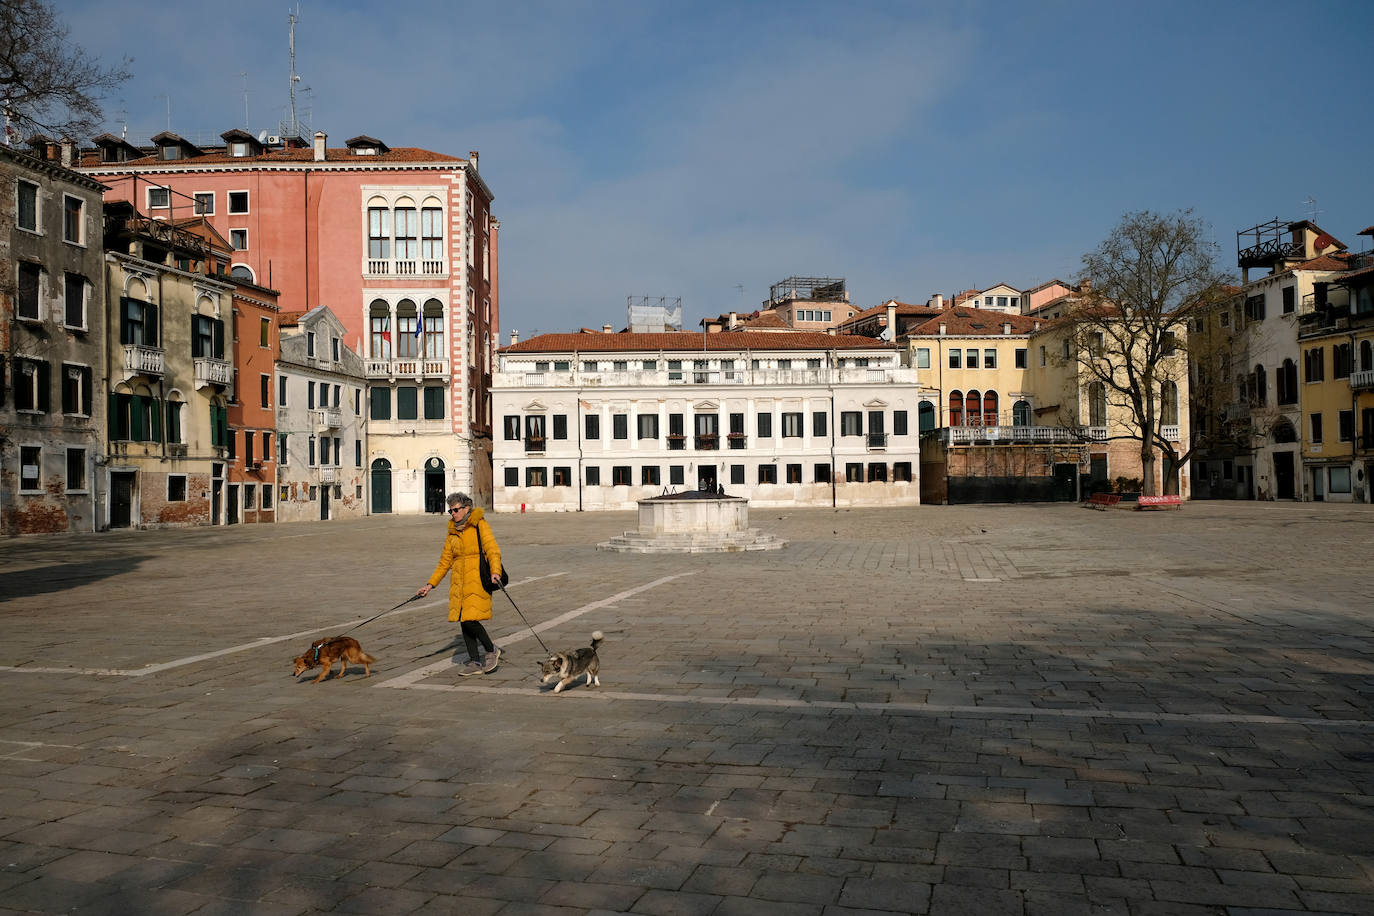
(937, 301)
(942, 329)
(319, 145)
(514, 338)
(68, 152)
(605, 329)
(472, 158)
(732, 321)
(1037, 325)
(892, 321)
(52, 151)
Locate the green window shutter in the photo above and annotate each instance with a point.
(44, 386)
(219, 339)
(87, 394)
(112, 417)
(136, 419)
(150, 324)
(214, 425)
(124, 335)
(173, 421)
(155, 413)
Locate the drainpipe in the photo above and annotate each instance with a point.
(577, 415)
(830, 357)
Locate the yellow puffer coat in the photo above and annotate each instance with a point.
(467, 599)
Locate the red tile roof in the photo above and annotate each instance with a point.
(688, 340)
(970, 322)
(91, 158)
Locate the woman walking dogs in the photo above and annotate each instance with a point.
(469, 536)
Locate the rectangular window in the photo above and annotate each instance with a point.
(207, 337)
(1254, 308)
(250, 496)
(592, 424)
(238, 201)
(1316, 427)
(1289, 299)
(512, 477)
(765, 423)
(281, 391)
(901, 472)
(818, 423)
(737, 475)
(792, 425)
(593, 476)
(852, 423)
(407, 248)
(76, 390)
(971, 359)
(310, 395)
(30, 475)
(74, 315)
(1020, 357)
(535, 477)
(854, 473)
(378, 233)
(822, 473)
(560, 426)
(794, 473)
(955, 358)
(1314, 364)
(676, 475)
(648, 428)
(562, 477)
(923, 357)
(76, 470)
(434, 402)
(31, 385)
(159, 198)
(432, 235)
(205, 203)
(28, 206)
(1340, 361)
(768, 473)
(238, 239)
(73, 220)
(248, 448)
(310, 456)
(589, 365)
(266, 446)
(1345, 424)
(407, 402)
(264, 332)
(176, 488)
(357, 453)
(620, 475)
(674, 370)
(899, 423)
(534, 433)
(989, 359)
(620, 426)
(380, 399)
(264, 391)
(649, 476)
(1338, 480)
(1042, 356)
(30, 279)
(310, 343)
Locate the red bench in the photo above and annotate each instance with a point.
(1103, 501)
(1160, 502)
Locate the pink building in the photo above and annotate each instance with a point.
(399, 243)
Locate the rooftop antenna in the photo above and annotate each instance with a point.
(168, 97)
(244, 74)
(1311, 203)
(291, 20)
(123, 121)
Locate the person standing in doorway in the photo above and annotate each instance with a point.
(468, 602)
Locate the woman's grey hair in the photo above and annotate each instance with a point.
(456, 500)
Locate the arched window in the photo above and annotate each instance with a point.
(378, 229)
(925, 416)
(1168, 404)
(1283, 431)
(175, 406)
(379, 329)
(956, 408)
(432, 235)
(1021, 413)
(433, 339)
(407, 231)
(989, 408)
(1261, 386)
(407, 323)
(243, 272)
(973, 416)
(1097, 404)
(1286, 382)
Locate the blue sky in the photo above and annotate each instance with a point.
(671, 149)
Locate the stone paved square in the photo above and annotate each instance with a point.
(977, 709)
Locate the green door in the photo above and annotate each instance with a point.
(381, 487)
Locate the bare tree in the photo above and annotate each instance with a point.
(48, 86)
(1128, 328)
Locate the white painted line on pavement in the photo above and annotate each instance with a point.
(905, 709)
(412, 678)
(244, 647)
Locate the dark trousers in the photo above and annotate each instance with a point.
(473, 633)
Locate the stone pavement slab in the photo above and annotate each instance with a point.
(999, 709)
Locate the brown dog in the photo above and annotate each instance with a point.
(324, 652)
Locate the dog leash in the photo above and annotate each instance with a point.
(415, 597)
(523, 620)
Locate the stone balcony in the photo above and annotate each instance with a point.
(142, 360)
(218, 372)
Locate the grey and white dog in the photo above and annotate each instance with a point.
(566, 667)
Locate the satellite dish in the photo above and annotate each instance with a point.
(262, 136)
